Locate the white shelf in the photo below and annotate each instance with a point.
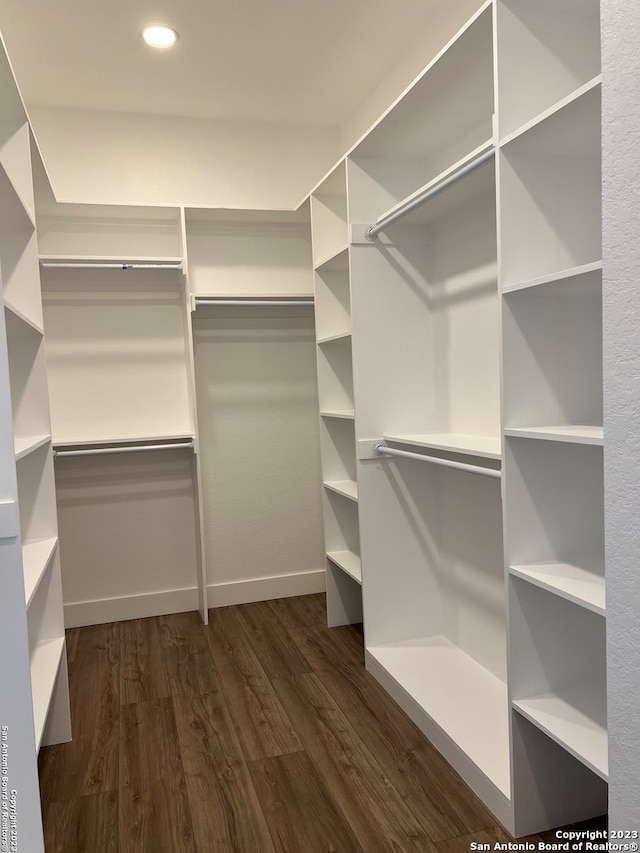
(332, 338)
(469, 445)
(26, 444)
(581, 582)
(109, 259)
(572, 280)
(349, 562)
(110, 440)
(345, 415)
(562, 104)
(45, 662)
(36, 556)
(576, 720)
(23, 317)
(571, 433)
(334, 260)
(463, 698)
(347, 488)
(338, 261)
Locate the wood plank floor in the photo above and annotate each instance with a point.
(261, 732)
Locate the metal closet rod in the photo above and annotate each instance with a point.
(61, 265)
(380, 449)
(430, 193)
(125, 448)
(212, 300)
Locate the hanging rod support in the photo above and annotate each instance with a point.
(125, 448)
(380, 449)
(434, 190)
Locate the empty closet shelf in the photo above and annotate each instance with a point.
(466, 701)
(26, 444)
(349, 562)
(36, 557)
(347, 488)
(575, 719)
(572, 433)
(581, 582)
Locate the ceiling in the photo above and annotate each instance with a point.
(294, 62)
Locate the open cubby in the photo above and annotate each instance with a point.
(37, 495)
(547, 50)
(332, 297)
(558, 677)
(550, 184)
(335, 374)
(552, 339)
(556, 528)
(265, 253)
(337, 444)
(329, 217)
(28, 378)
(116, 354)
(445, 115)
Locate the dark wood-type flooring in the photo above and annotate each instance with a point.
(261, 732)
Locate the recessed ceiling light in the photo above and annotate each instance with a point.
(159, 36)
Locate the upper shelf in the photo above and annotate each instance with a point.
(561, 41)
(468, 445)
(116, 262)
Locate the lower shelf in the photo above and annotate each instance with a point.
(347, 488)
(36, 556)
(45, 663)
(467, 702)
(581, 582)
(349, 562)
(576, 720)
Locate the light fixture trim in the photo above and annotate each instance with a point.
(160, 36)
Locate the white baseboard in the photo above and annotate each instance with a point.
(80, 613)
(263, 589)
(119, 609)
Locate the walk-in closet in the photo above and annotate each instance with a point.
(319, 394)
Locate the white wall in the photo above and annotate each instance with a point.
(112, 157)
(621, 236)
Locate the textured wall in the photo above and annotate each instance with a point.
(621, 234)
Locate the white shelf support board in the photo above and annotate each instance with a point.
(347, 488)
(581, 582)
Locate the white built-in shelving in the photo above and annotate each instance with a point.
(330, 229)
(34, 695)
(549, 187)
(463, 323)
